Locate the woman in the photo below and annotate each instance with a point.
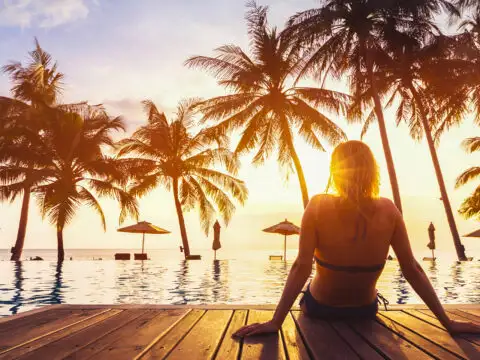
(349, 234)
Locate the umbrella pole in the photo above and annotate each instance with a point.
(214, 254)
(285, 248)
(433, 256)
(143, 242)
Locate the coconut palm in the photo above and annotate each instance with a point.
(343, 36)
(404, 70)
(72, 169)
(471, 205)
(264, 101)
(167, 153)
(35, 87)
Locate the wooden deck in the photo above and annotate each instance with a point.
(177, 332)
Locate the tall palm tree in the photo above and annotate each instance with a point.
(343, 36)
(264, 101)
(404, 71)
(71, 168)
(168, 153)
(35, 87)
(471, 205)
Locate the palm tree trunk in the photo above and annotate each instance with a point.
(300, 174)
(438, 172)
(60, 249)
(181, 220)
(383, 135)
(22, 226)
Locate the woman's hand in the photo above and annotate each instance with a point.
(256, 329)
(463, 327)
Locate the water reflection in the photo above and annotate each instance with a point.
(26, 285)
(56, 293)
(17, 299)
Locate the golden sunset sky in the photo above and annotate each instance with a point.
(121, 52)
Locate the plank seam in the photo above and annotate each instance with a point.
(240, 350)
(410, 341)
(419, 334)
(162, 334)
(302, 336)
(108, 333)
(461, 336)
(56, 330)
(380, 352)
(222, 337)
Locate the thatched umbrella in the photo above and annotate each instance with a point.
(143, 227)
(285, 228)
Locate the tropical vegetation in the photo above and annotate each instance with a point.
(171, 154)
(265, 102)
(389, 53)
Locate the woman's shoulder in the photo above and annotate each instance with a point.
(323, 199)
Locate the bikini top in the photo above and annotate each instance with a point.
(350, 269)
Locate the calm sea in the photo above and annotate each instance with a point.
(235, 278)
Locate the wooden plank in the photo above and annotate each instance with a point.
(427, 346)
(472, 311)
(130, 344)
(263, 347)
(34, 344)
(465, 315)
(293, 341)
(230, 347)
(40, 326)
(386, 341)
(322, 340)
(204, 338)
(428, 316)
(356, 342)
(29, 313)
(166, 343)
(40, 318)
(103, 342)
(458, 346)
(68, 345)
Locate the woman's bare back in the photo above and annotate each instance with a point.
(348, 240)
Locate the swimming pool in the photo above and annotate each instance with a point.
(30, 284)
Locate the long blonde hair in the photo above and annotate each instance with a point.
(354, 174)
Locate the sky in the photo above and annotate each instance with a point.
(119, 52)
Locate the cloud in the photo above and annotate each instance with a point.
(41, 13)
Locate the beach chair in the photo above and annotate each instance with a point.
(122, 256)
(142, 256)
(194, 257)
(275, 257)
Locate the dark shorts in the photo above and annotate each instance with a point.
(315, 309)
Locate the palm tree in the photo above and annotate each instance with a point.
(265, 102)
(71, 167)
(471, 206)
(343, 36)
(35, 87)
(404, 70)
(167, 153)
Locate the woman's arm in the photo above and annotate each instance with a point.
(419, 281)
(299, 273)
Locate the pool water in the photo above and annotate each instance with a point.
(30, 284)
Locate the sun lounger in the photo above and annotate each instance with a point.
(194, 257)
(140, 256)
(275, 257)
(122, 256)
